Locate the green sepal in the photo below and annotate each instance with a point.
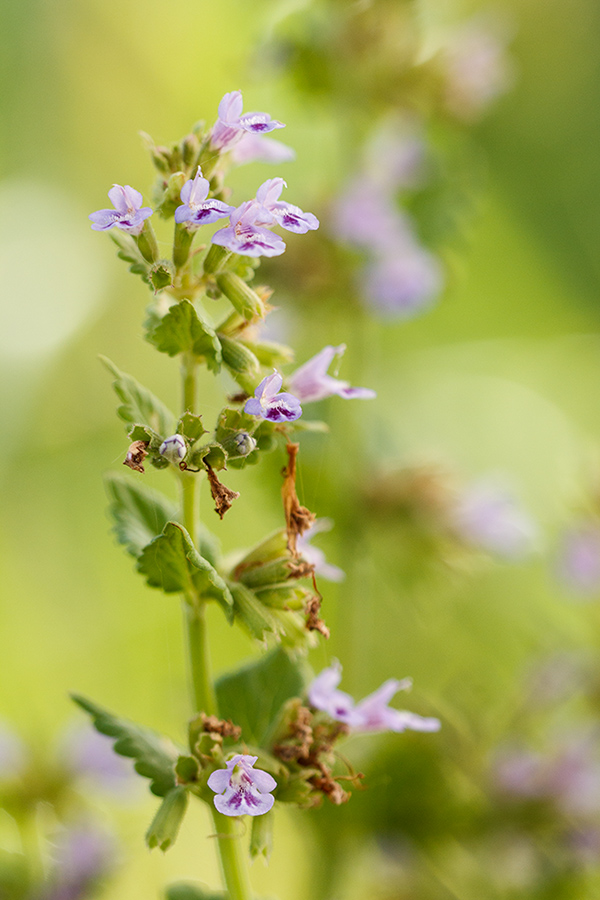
(191, 427)
(241, 362)
(292, 630)
(182, 330)
(213, 455)
(255, 618)
(138, 512)
(161, 275)
(184, 891)
(275, 571)
(187, 770)
(283, 596)
(130, 253)
(297, 790)
(172, 563)
(168, 199)
(270, 353)
(241, 296)
(261, 836)
(232, 421)
(154, 441)
(165, 825)
(138, 404)
(253, 696)
(154, 754)
(271, 547)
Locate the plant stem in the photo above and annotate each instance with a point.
(233, 859)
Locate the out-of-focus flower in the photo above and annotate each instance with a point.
(311, 382)
(405, 283)
(13, 753)
(196, 209)
(370, 714)
(241, 789)
(269, 404)
(579, 557)
(231, 124)
(173, 448)
(488, 517)
(83, 854)
(292, 218)
(365, 216)
(90, 754)
(314, 555)
(247, 235)
(256, 148)
(128, 213)
(475, 69)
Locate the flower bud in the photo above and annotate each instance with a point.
(190, 147)
(240, 444)
(240, 361)
(241, 296)
(174, 449)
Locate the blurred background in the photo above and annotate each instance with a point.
(450, 150)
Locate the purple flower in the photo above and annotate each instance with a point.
(488, 517)
(196, 209)
(315, 556)
(372, 713)
(289, 217)
(579, 557)
(269, 404)
(365, 216)
(82, 856)
(403, 284)
(246, 235)
(231, 124)
(241, 789)
(476, 69)
(91, 755)
(128, 213)
(311, 382)
(256, 148)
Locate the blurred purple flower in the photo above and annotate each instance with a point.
(315, 556)
(488, 517)
(365, 216)
(289, 217)
(83, 854)
(196, 209)
(269, 404)
(256, 148)
(370, 714)
(475, 68)
(246, 235)
(128, 213)
(395, 156)
(403, 284)
(311, 382)
(91, 755)
(231, 124)
(579, 557)
(241, 789)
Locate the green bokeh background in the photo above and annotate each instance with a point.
(502, 376)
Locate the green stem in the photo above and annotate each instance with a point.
(199, 656)
(233, 857)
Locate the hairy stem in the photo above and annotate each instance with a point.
(233, 857)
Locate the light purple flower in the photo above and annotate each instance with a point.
(269, 404)
(196, 209)
(231, 124)
(315, 556)
(311, 382)
(579, 557)
(372, 713)
(246, 235)
(476, 69)
(90, 754)
(256, 148)
(241, 789)
(364, 215)
(128, 213)
(83, 854)
(289, 217)
(403, 284)
(489, 517)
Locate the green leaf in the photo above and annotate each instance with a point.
(251, 614)
(172, 563)
(139, 513)
(154, 754)
(183, 330)
(253, 696)
(186, 891)
(138, 404)
(165, 825)
(191, 427)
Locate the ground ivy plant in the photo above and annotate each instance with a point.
(266, 734)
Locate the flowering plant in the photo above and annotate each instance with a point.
(237, 760)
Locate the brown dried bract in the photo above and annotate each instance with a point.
(298, 519)
(330, 787)
(221, 494)
(223, 727)
(136, 454)
(313, 620)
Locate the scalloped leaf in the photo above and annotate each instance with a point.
(172, 563)
(183, 330)
(138, 512)
(138, 404)
(155, 755)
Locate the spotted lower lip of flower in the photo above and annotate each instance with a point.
(196, 210)
(128, 213)
(311, 382)
(241, 789)
(292, 218)
(231, 125)
(268, 403)
(245, 236)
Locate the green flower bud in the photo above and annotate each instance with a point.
(241, 296)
